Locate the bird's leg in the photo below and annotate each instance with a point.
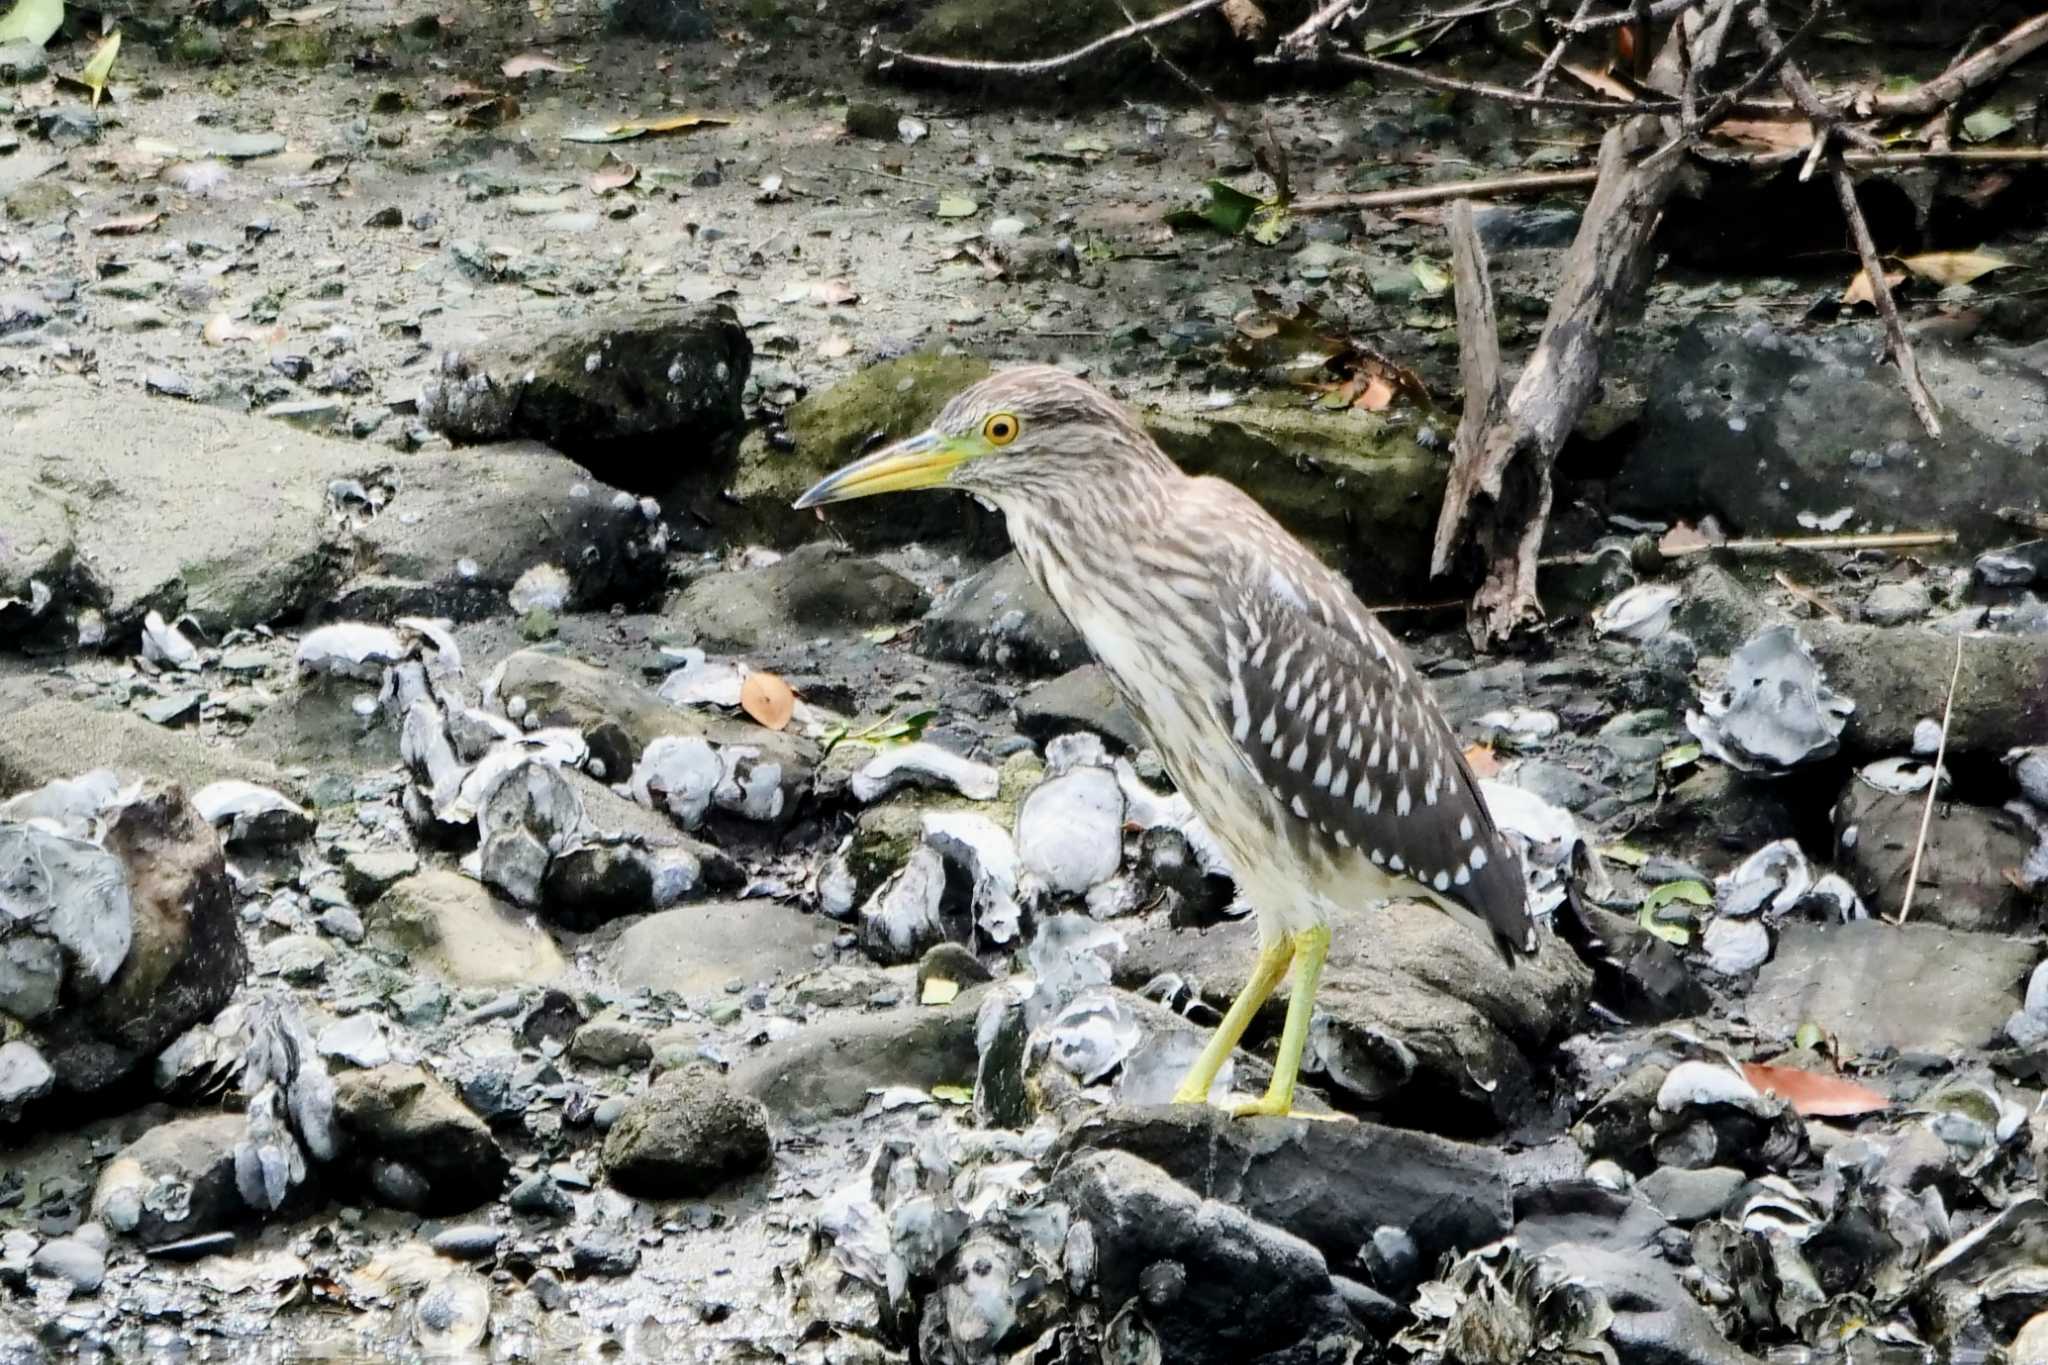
(1310, 947)
(1266, 974)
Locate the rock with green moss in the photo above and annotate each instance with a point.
(887, 831)
(196, 44)
(305, 48)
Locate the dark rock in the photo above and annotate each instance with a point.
(870, 120)
(1638, 975)
(604, 1254)
(1617, 1127)
(689, 1135)
(1213, 1285)
(468, 1241)
(1083, 699)
(814, 590)
(1916, 988)
(1757, 425)
(999, 616)
(827, 1070)
(671, 21)
(1689, 1196)
(620, 396)
(1655, 1321)
(1899, 676)
(1584, 1212)
(78, 1261)
(541, 1196)
(1718, 816)
(175, 1182)
(401, 1114)
(368, 874)
(1427, 1019)
(1334, 1185)
(1963, 864)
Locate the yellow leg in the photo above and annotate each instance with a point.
(1311, 946)
(1266, 974)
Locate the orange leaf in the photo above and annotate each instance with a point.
(1481, 760)
(1813, 1095)
(614, 174)
(768, 700)
(1859, 290)
(1375, 396)
(1682, 540)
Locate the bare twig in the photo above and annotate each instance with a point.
(1875, 540)
(1533, 182)
(1948, 711)
(1315, 30)
(1967, 74)
(1805, 594)
(1542, 78)
(1777, 58)
(1661, 9)
(2024, 518)
(1887, 306)
(1503, 93)
(1041, 65)
(1270, 157)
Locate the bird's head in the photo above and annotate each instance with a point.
(1021, 433)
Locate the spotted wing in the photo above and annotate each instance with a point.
(1344, 732)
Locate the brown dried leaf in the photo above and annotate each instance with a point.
(767, 698)
(452, 93)
(1246, 19)
(1683, 539)
(490, 113)
(526, 63)
(125, 226)
(1859, 290)
(1774, 134)
(1481, 759)
(1953, 267)
(1812, 1095)
(613, 174)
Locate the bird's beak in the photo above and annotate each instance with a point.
(923, 461)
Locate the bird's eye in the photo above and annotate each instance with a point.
(1000, 429)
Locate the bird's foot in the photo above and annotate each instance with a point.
(1188, 1094)
(1268, 1107)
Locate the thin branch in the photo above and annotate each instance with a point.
(1967, 74)
(1040, 65)
(1887, 306)
(1662, 9)
(1315, 30)
(1270, 158)
(1504, 93)
(1948, 711)
(1533, 182)
(1543, 72)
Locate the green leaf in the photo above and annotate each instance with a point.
(939, 991)
(641, 127)
(1809, 1035)
(1270, 223)
(957, 206)
(1670, 933)
(1686, 892)
(1628, 855)
(1229, 209)
(1083, 143)
(94, 77)
(1432, 278)
(32, 21)
(1678, 756)
(1986, 125)
(953, 1094)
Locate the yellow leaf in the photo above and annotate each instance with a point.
(1953, 267)
(768, 700)
(94, 77)
(1859, 290)
(32, 21)
(939, 991)
(953, 1094)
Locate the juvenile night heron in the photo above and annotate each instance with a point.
(1296, 726)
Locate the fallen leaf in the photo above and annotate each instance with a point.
(1628, 855)
(642, 127)
(834, 293)
(221, 329)
(32, 21)
(1671, 933)
(957, 206)
(1776, 134)
(1679, 756)
(132, 223)
(1246, 19)
(939, 991)
(1859, 290)
(612, 175)
(1812, 1095)
(1683, 539)
(452, 93)
(1430, 275)
(299, 18)
(1684, 891)
(527, 63)
(1481, 759)
(94, 76)
(767, 698)
(1374, 394)
(832, 348)
(1986, 125)
(1953, 267)
(490, 113)
(953, 1094)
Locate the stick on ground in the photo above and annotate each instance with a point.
(1948, 711)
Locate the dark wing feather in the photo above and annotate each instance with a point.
(1341, 728)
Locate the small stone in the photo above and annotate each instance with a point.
(603, 1254)
(75, 1260)
(370, 873)
(358, 1040)
(1892, 604)
(174, 710)
(339, 921)
(610, 1041)
(1685, 1196)
(539, 1196)
(468, 1241)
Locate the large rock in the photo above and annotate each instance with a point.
(1427, 1023)
(1757, 425)
(695, 950)
(454, 926)
(401, 1114)
(1963, 864)
(814, 590)
(114, 950)
(175, 1181)
(132, 504)
(826, 1070)
(999, 616)
(1898, 677)
(59, 738)
(1083, 699)
(1916, 987)
(622, 396)
(1211, 1284)
(687, 1136)
(1333, 1184)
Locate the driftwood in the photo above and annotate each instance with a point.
(1499, 493)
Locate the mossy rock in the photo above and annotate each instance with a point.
(887, 831)
(303, 48)
(196, 44)
(889, 401)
